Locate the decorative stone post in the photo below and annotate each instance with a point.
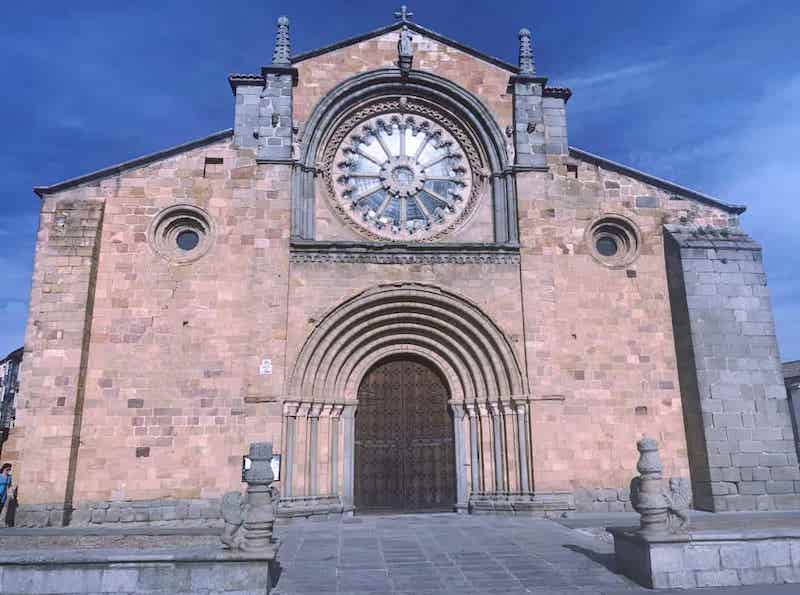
(275, 104)
(259, 514)
(528, 129)
(647, 491)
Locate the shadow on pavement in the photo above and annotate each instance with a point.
(606, 560)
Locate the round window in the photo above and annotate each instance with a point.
(613, 240)
(400, 170)
(606, 246)
(181, 233)
(187, 239)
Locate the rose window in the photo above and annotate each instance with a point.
(403, 177)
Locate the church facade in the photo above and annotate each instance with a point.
(396, 269)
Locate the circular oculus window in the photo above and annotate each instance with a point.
(614, 241)
(181, 233)
(401, 176)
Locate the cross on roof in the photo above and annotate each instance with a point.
(403, 14)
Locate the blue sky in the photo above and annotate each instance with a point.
(705, 93)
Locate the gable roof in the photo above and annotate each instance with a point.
(677, 189)
(413, 27)
(137, 162)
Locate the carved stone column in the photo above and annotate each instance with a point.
(474, 448)
(301, 449)
(522, 446)
(349, 435)
(499, 459)
(461, 463)
(289, 414)
(336, 412)
(313, 435)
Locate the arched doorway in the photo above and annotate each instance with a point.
(404, 451)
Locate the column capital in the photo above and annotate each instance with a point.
(290, 408)
(349, 411)
(471, 410)
(458, 409)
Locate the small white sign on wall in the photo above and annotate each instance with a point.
(266, 367)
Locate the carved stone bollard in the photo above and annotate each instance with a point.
(647, 492)
(259, 514)
(249, 520)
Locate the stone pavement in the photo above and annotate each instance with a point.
(452, 554)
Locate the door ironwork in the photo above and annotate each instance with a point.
(404, 439)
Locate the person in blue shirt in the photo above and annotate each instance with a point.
(5, 484)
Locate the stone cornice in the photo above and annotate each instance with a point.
(247, 80)
(280, 70)
(403, 253)
(557, 92)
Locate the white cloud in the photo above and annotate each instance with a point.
(613, 75)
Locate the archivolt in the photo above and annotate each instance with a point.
(451, 332)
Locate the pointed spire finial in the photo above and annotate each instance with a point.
(526, 53)
(283, 47)
(403, 14)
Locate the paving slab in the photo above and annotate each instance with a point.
(444, 554)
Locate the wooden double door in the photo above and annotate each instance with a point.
(404, 453)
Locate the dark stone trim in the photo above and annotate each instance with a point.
(275, 161)
(526, 168)
(289, 70)
(426, 86)
(405, 253)
(527, 78)
(557, 92)
(247, 80)
(138, 162)
(659, 182)
(413, 27)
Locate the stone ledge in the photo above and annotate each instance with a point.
(115, 556)
(709, 557)
(199, 573)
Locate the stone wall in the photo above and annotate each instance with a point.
(721, 559)
(168, 512)
(44, 444)
(172, 351)
(738, 419)
(124, 574)
(598, 339)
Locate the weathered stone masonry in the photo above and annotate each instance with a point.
(738, 422)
